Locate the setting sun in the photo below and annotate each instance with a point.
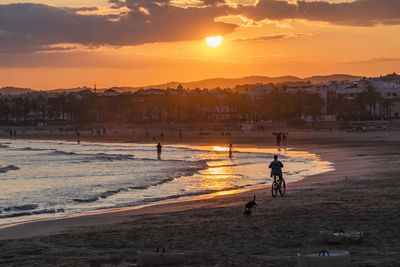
(214, 41)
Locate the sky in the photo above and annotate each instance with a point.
(48, 44)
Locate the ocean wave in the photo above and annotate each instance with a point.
(60, 152)
(189, 171)
(8, 168)
(177, 196)
(33, 149)
(108, 157)
(19, 208)
(94, 157)
(107, 194)
(29, 213)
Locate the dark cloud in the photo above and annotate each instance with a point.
(376, 60)
(271, 37)
(357, 13)
(213, 2)
(261, 38)
(35, 27)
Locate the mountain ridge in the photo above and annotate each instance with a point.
(206, 83)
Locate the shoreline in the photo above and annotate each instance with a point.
(358, 195)
(18, 229)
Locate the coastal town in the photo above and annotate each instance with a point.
(330, 104)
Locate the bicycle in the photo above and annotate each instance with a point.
(279, 185)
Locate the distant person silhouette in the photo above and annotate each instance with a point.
(159, 147)
(278, 138)
(284, 138)
(78, 135)
(230, 150)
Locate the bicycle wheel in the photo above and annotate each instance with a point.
(282, 187)
(274, 189)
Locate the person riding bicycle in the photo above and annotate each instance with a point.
(276, 168)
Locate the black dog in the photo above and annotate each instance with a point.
(250, 207)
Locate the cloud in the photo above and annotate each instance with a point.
(28, 27)
(271, 37)
(261, 38)
(376, 60)
(36, 27)
(356, 13)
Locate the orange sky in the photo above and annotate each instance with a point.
(141, 42)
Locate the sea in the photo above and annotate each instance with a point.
(51, 179)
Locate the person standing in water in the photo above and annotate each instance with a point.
(284, 138)
(230, 150)
(78, 135)
(278, 138)
(159, 147)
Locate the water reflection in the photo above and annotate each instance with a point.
(250, 167)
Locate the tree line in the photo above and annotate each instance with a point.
(181, 106)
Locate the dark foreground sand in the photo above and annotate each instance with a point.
(362, 194)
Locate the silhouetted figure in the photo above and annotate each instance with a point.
(78, 135)
(276, 168)
(159, 147)
(180, 134)
(284, 138)
(230, 150)
(162, 136)
(278, 139)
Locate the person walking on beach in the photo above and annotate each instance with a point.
(230, 151)
(284, 138)
(278, 139)
(276, 168)
(78, 135)
(159, 147)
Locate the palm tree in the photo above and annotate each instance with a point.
(372, 98)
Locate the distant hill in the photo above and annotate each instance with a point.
(333, 77)
(231, 83)
(15, 91)
(226, 83)
(208, 83)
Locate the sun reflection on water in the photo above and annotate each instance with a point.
(220, 148)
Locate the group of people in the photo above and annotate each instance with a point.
(12, 133)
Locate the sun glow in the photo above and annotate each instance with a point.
(214, 41)
(220, 148)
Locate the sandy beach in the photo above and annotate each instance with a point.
(361, 194)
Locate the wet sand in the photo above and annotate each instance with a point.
(361, 194)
